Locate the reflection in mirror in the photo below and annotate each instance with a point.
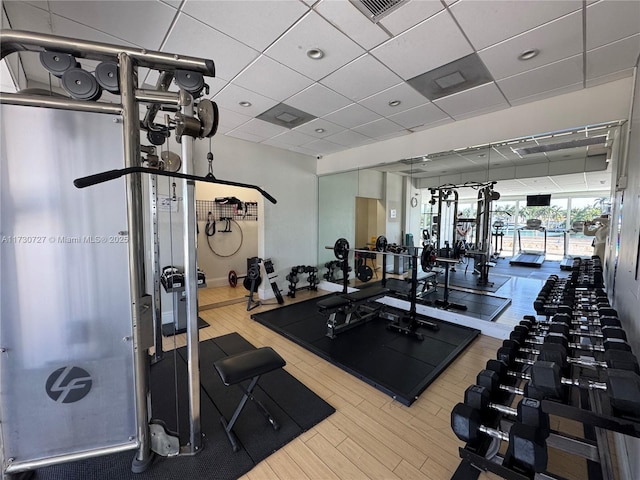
(571, 165)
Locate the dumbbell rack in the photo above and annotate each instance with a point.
(583, 304)
(293, 278)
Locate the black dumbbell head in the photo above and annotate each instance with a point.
(545, 376)
(530, 413)
(613, 332)
(621, 360)
(623, 390)
(465, 423)
(527, 447)
(488, 379)
(497, 366)
(554, 353)
(477, 397)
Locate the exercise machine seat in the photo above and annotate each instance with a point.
(246, 365)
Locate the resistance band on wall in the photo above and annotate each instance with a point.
(210, 231)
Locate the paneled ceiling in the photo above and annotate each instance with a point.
(359, 91)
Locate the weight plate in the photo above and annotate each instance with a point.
(233, 278)
(57, 63)
(301, 269)
(192, 82)
(81, 85)
(156, 138)
(208, 115)
(172, 162)
(253, 273)
(107, 76)
(341, 248)
(381, 243)
(246, 283)
(364, 273)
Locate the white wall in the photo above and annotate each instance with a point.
(602, 103)
(627, 281)
(394, 201)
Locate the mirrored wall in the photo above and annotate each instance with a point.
(576, 167)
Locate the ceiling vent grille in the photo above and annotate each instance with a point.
(374, 10)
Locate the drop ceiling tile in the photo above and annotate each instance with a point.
(293, 137)
(318, 100)
(548, 94)
(406, 95)
(229, 55)
(172, 3)
(250, 137)
(423, 115)
(323, 146)
(490, 22)
(254, 23)
(261, 128)
(434, 124)
(352, 116)
(349, 20)
(613, 57)
(348, 138)
(379, 128)
(550, 77)
(313, 31)
(409, 15)
(231, 95)
(608, 21)
(419, 49)
(151, 80)
(556, 40)
(272, 79)
(310, 128)
(361, 78)
(476, 99)
(122, 19)
(231, 119)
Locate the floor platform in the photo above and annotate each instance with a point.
(396, 364)
(293, 405)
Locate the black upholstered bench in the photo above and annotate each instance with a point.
(235, 369)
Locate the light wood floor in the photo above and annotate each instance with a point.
(370, 435)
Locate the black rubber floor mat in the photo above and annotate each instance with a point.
(293, 405)
(396, 364)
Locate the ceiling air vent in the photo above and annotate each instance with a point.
(374, 10)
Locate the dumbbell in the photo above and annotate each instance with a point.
(622, 386)
(527, 445)
(607, 344)
(562, 323)
(557, 353)
(528, 411)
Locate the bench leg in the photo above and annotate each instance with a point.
(248, 395)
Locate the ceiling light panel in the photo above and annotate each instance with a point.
(313, 31)
(285, 116)
(461, 74)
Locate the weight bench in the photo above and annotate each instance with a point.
(353, 308)
(244, 366)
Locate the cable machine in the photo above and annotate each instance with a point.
(101, 289)
(480, 247)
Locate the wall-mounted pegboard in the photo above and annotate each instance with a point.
(227, 207)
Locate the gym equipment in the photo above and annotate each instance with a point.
(499, 229)
(235, 369)
(528, 411)
(191, 81)
(268, 267)
(252, 281)
(527, 445)
(530, 258)
(341, 250)
(126, 368)
(107, 75)
(346, 311)
(294, 278)
(57, 63)
(567, 260)
(80, 84)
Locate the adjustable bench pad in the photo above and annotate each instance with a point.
(333, 302)
(246, 365)
(366, 293)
